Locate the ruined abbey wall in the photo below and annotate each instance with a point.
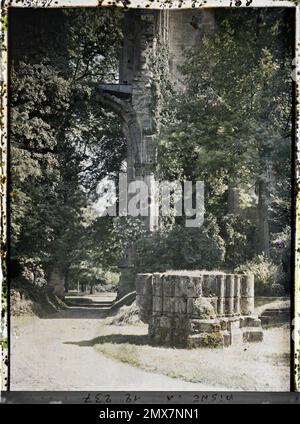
(146, 34)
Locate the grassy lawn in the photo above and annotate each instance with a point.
(253, 366)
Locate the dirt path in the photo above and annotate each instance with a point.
(42, 357)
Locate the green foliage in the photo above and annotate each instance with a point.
(182, 248)
(281, 255)
(238, 235)
(93, 42)
(267, 276)
(224, 129)
(231, 126)
(62, 142)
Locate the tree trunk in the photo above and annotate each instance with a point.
(67, 280)
(233, 200)
(56, 281)
(263, 233)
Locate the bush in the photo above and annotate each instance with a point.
(237, 233)
(281, 255)
(28, 271)
(182, 248)
(267, 276)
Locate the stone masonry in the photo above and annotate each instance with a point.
(145, 34)
(198, 309)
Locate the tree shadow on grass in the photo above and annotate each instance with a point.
(133, 339)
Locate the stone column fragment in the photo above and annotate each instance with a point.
(237, 294)
(247, 294)
(220, 292)
(229, 295)
(144, 296)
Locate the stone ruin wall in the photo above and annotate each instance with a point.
(197, 309)
(185, 30)
(146, 33)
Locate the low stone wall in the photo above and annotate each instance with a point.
(191, 309)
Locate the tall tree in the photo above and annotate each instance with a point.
(63, 143)
(232, 124)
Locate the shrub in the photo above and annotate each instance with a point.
(237, 233)
(281, 255)
(182, 248)
(267, 275)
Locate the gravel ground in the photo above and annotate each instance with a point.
(52, 354)
(76, 349)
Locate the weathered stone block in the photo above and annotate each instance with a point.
(142, 301)
(145, 307)
(201, 325)
(237, 305)
(251, 335)
(223, 324)
(221, 306)
(247, 305)
(179, 282)
(168, 285)
(144, 316)
(181, 329)
(157, 284)
(152, 328)
(237, 286)
(214, 302)
(247, 285)
(237, 295)
(220, 285)
(162, 336)
(190, 305)
(168, 304)
(200, 308)
(143, 284)
(209, 285)
(233, 324)
(157, 304)
(229, 306)
(251, 322)
(210, 340)
(180, 316)
(186, 286)
(180, 306)
(165, 322)
(226, 338)
(229, 285)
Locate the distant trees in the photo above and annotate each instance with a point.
(62, 142)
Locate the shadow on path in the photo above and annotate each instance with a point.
(77, 312)
(134, 339)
